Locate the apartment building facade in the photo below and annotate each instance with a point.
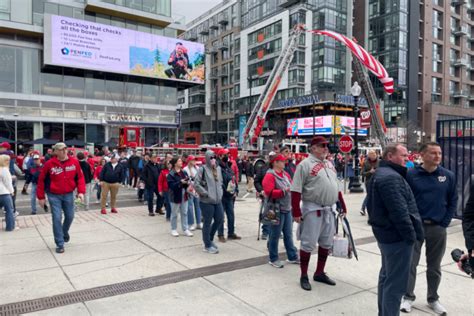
(320, 65)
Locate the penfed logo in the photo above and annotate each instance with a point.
(75, 52)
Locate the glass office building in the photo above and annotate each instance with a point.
(38, 100)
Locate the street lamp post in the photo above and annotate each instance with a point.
(356, 185)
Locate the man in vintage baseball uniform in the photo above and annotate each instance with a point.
(315, 183)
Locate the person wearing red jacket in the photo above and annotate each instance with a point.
(60, 176)
(163, 188)
(276, 185)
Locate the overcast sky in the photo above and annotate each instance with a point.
(191, 9)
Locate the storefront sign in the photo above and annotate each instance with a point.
(125, 118)
(365, 118)
(298, 101)
(82, 44)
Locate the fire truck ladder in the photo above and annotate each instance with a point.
(366, 85)
(259, 112)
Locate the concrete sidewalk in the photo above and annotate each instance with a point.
(162, 274)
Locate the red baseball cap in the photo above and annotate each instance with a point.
(191, 157)
(223, 151)
(278, 158)
(5, 145)
(318, 140)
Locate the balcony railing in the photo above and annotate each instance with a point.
(223, 45)
(460, 94)
(461, 31)
(223, 18)
(460, 62)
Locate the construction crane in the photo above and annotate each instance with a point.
(257, 117)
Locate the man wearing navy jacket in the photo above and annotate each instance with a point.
(434, 188)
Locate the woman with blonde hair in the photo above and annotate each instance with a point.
(6, 192)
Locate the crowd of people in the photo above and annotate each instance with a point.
(407, 205)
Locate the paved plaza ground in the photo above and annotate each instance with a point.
(129, 264)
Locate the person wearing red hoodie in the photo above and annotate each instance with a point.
(60, 176)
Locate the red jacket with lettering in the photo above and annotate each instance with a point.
(60, 177)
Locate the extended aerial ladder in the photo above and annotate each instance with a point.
(377, 119)
(259, 112)
(257, 117)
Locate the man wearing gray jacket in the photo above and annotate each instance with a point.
(208, 184)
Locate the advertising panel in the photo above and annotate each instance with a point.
(323, 125)
(82, 44)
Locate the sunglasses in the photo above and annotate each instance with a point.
(213, 158)
(322, 145)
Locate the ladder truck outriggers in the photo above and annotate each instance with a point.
(257, 117)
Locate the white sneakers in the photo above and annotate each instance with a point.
(186, 233)
(406, 305)
(436, 306)
(192, 228)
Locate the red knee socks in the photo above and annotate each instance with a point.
(304, 262)
(322, 256)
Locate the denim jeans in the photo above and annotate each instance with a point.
(393, 277)
(125, 176)
(150, 195)
(182, 208)
(166, 201)
(194, 210)
(33, 198)
(59, 203)
(286, 226)
(6, 201)
(210, 212)
(228, 205)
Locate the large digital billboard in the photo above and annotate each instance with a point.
(323, 125)
(82, 44)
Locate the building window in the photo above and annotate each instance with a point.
(7, 69)
(53, 131)
(74, 131)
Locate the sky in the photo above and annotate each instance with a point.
(191, 9)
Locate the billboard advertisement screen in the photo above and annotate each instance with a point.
(323, 125)
(82, 44)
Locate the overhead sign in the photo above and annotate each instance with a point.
(323, 125)
(82, 44)
(346, 143)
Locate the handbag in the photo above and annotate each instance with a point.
(341, 247)
(271, 211)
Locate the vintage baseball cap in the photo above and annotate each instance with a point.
(191, 157)
(59, 146)
(279, 157)
(36, 157)
(5, 145)
(318, 140)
